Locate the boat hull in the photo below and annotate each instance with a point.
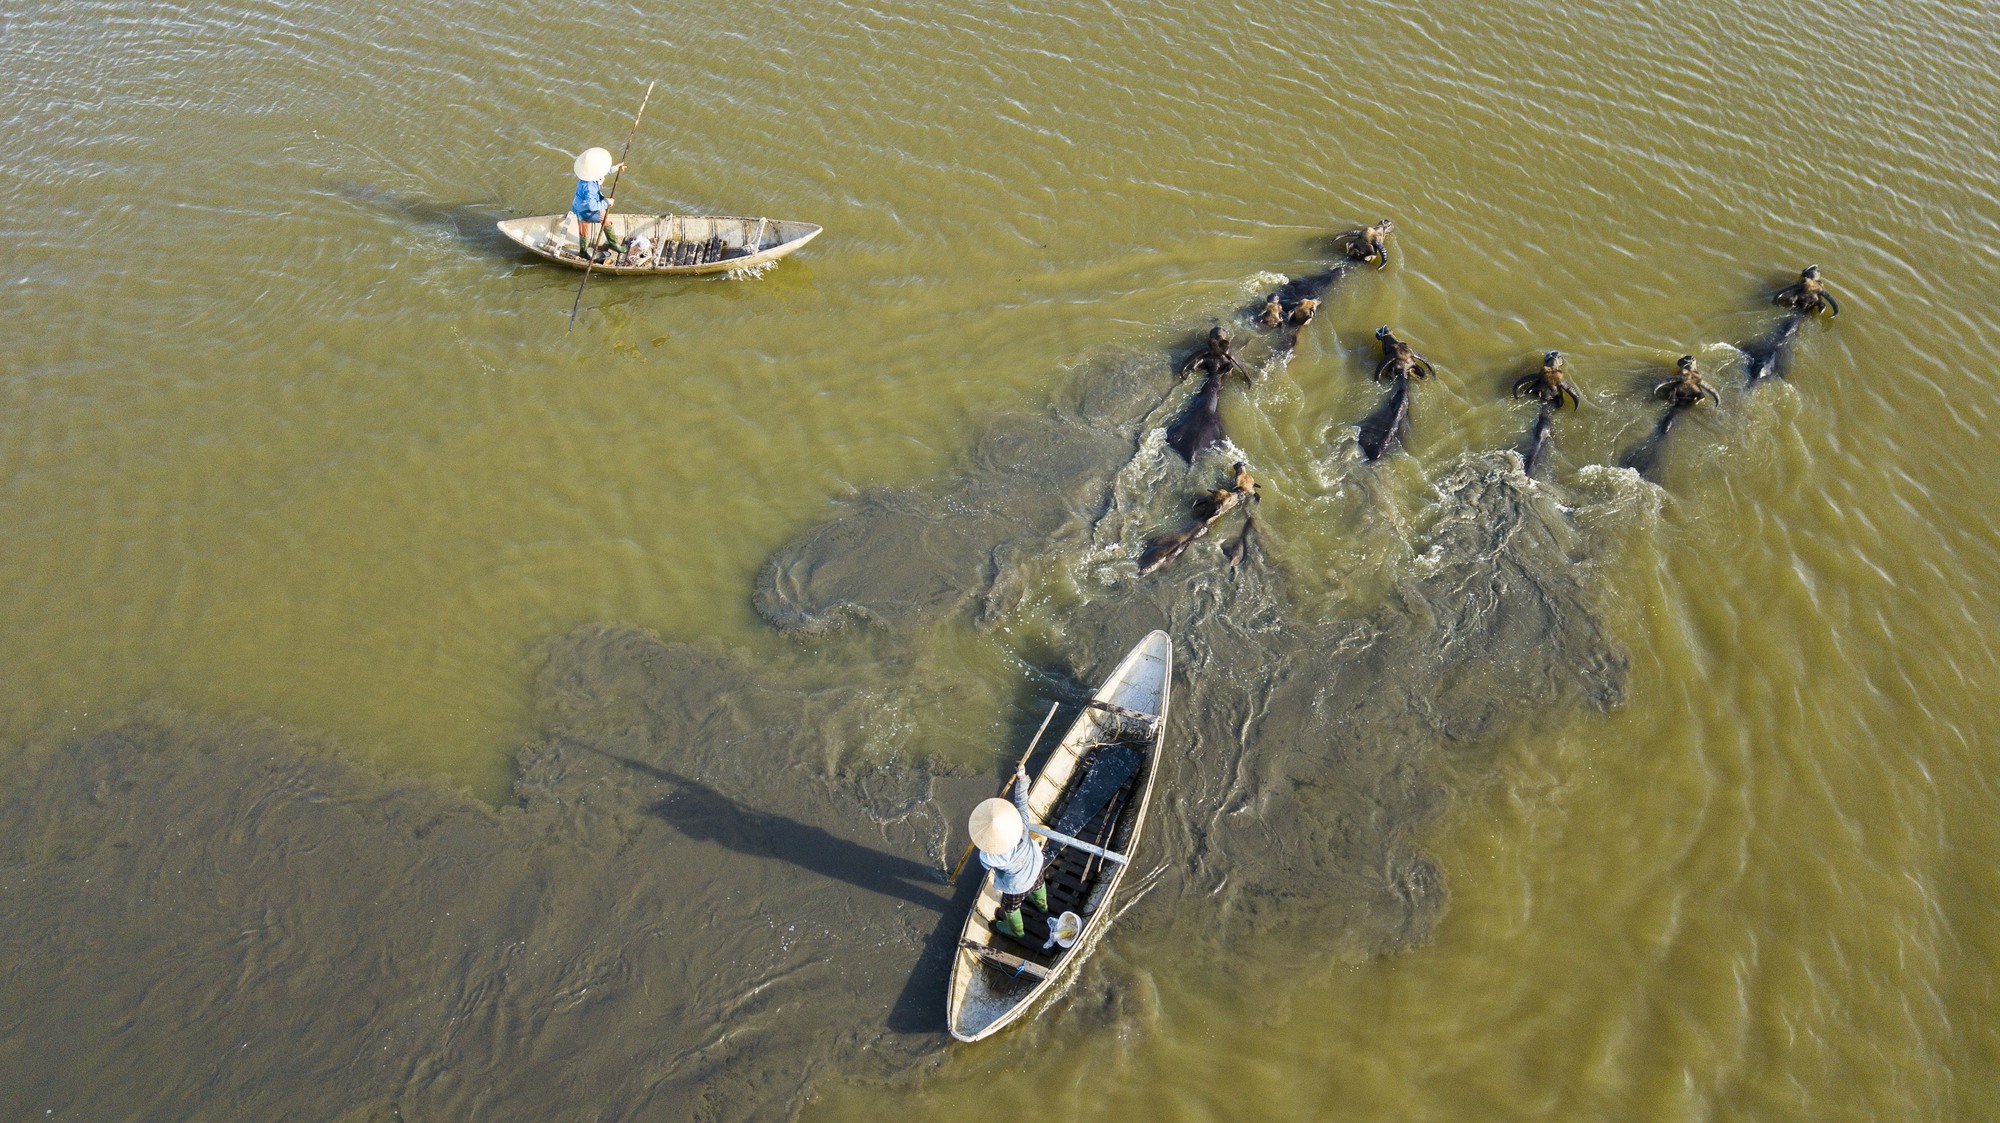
(685, 245)
(984, 998)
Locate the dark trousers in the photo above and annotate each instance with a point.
(1011, 901)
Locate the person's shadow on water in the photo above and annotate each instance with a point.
(700, 812)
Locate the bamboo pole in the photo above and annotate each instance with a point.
(1068, 840)
(591, 263)
(1022, 763)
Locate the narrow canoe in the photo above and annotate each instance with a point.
(682, 243)
(1094, 787)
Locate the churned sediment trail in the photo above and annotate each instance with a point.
(699, 899)
(1303, 742)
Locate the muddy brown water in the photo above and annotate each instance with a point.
(414, 710)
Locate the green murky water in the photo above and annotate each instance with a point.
(288, 433)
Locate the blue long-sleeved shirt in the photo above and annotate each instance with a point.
(1015, 871)
(589, 203)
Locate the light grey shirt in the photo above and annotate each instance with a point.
(1015, 871)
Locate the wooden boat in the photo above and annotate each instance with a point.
(1093, 788)
(681, 243)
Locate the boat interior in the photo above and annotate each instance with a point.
(670, 241)
(1091, 808)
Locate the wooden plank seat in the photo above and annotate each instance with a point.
(1006, 962)
(1132, 723)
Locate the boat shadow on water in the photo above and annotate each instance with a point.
(472, 223)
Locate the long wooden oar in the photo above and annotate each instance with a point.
(610, 199)
(953, 879)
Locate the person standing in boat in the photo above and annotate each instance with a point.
(590, 204)
(1000, 830)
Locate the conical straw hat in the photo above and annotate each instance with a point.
(995, 826)
(592, 163)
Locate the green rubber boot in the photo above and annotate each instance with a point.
(1010, 923)
(1040, 897)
